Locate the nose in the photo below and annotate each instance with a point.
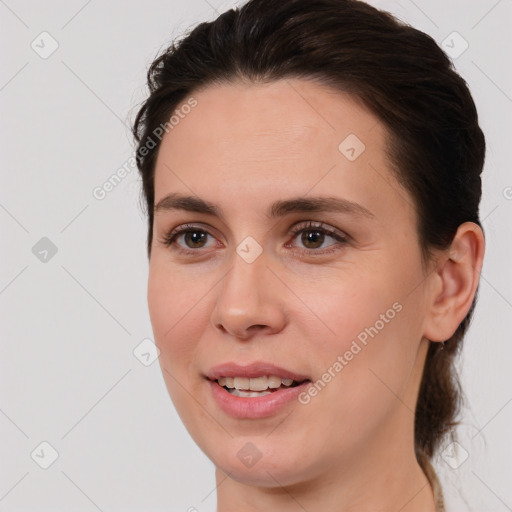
(250, 300)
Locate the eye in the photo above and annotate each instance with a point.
(193, 238)
(313, 236)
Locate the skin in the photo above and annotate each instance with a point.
(351, 447)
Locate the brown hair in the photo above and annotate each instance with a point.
(435, 145)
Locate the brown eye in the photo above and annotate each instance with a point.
(312, 239)
(187, 238)
(195, 239)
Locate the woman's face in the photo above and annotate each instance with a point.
(307, 258)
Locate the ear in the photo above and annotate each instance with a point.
(453, 284)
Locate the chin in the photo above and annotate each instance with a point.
(264, 469)
(261, 475)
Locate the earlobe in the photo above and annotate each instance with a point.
(458, 273)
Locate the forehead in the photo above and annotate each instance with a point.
(288, 137)
(287, 119)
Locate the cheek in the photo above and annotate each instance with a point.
(364, 333)
(343, 306)
(174, 304)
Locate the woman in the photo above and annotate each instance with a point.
(311, 171)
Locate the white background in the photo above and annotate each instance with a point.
(69, 325)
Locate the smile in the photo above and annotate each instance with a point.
(255, 386)
(256, 390)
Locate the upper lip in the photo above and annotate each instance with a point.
(255, 369)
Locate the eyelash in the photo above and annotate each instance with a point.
(169, 238)
(322, 228)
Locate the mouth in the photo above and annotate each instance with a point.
(256, 390)
(254, 387)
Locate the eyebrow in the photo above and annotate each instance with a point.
(280, 208)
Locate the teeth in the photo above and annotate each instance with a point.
(274, 382)
(249, 394)
(258, 383)
(254, 383)
(241, 382)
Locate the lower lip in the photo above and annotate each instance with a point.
(256, 407)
